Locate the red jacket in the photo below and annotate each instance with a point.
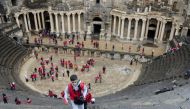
(73, 93)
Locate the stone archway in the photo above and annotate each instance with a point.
(97, 26)
(188, 33)
(151, 32)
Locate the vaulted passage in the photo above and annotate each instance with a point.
(97, 28)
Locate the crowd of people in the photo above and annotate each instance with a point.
(48, 69)
(6, 99)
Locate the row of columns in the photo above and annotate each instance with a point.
(39, 24)
(1, 19)
(121, 24)
(39, 21)
(160, 29)
(63, 20)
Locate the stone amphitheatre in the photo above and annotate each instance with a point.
(144, 45)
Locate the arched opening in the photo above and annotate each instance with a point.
(5, 18)
(15, 38)
(188, 33)
(97, 1)
(47, 20)
(97, 25)
(14, 2)
(151, 32)
(97, 19)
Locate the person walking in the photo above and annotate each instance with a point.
(76, 91)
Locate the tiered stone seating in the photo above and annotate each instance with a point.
(168, 66)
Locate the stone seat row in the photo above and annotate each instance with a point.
(170, 65)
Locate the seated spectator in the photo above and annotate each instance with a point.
(17, 101)
(12, 86)
(51, 94)
(28, 101)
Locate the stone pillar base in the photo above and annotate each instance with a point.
(141, 39)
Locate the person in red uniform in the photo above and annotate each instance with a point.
(77, 91)
(28, 101)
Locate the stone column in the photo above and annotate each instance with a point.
(74, 30)
(69, 22)
(143, 29)
(122, 27)
(51, 22)
(17, 20)
(1, 20)
(35, 20)
(79, 22)
(147, 27)
(56, 22)
(157, 29)
(29, 24)
(172, 32)
(114, 25)
(39, 21)
(163, 30)
(129, 28)
(177, 30)
(119, 26)
(43, 21)
(136, 28)
(25, 22)
(160, 30)
(63, 23)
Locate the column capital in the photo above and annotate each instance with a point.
(73, 13)
(24, 13)
(61, 13)
(17, 15)
(143, 19)
(137, 19)
(123, 18)
(129, 18)
(164, 21)
(79, 12)
(34, 12)
(68, 14)
(41, 11)
(177, 26)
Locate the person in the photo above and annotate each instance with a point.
(26, 78)
(77, 91)
(28, 101)
(12, 86)
(5, 99)
(51, 94)
(68, 72)
(17, 101)
(104, 69)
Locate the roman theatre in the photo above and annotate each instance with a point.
(122, 37)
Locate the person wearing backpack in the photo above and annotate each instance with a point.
(77, 92)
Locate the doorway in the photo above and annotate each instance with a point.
(97, 28)
(151, 32)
